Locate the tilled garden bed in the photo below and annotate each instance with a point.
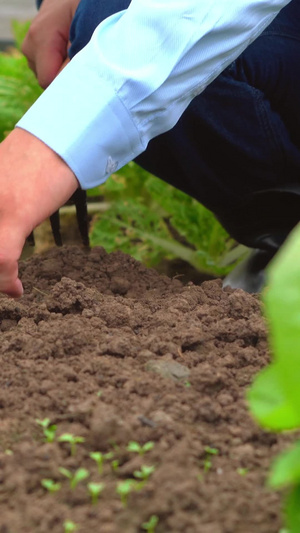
(113, 352)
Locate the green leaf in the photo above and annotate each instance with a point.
(275, 395)
(20, 30)
(292, 510)
(282, 301)
(286, 468)
(269, 404)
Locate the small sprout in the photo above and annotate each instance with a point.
(95, 490)
(187, 384)
(50, 485)
(124, 488)
(211, 451)
(151, 524)
(134, 446)
(48, 430)
(70, 526)
(72, 440)
(144, 473)
(8, 452)
(79, 475)
(242, 471)
(100, 458)
(207, 464)
(43, 423)
(99, 393)
(115, 465)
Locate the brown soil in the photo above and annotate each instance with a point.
(113, 352)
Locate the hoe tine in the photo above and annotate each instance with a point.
(55, 226)
(79, 199)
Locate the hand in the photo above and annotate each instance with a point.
(34, 182)
(46, 44)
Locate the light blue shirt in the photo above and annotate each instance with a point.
(137, 75)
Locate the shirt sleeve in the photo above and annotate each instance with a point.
(137, 75)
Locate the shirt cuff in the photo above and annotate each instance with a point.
(67, 116)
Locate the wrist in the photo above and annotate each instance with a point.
(35, 181)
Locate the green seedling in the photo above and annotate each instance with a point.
(151, 524)
(211, 451)
(95, 490)
(70, 526)
(124, 488)
(144, 473)
(50, 485)
(8, 452)
(79, 475)
(49, 429)
(100, 458)
(242, 471)
(72, 440)
(135, 447)
(115, 465)
(207, 463)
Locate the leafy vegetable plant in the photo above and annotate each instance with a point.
(274, 397)
(152, 220)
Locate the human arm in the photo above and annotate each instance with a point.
(135, 78)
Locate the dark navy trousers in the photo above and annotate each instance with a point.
(236, 148)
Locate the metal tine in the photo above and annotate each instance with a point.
(55, 227)
(80, 200)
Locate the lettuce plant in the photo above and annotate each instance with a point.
(275, 394)
(152, 220)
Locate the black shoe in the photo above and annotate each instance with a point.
(249, 275)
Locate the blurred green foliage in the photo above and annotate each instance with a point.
(18, 86)
(274, 397)
(152, 220)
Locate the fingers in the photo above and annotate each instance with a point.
(10, 284)
(46, 58)
(47, 41)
